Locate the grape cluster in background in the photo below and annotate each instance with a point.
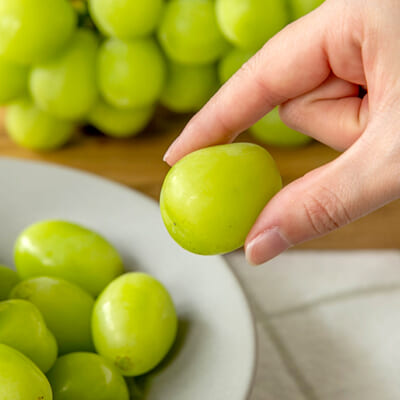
(109, 63)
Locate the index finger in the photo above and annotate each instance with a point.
(290, 64)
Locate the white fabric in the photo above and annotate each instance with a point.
(328, 324)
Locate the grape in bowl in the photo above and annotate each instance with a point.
(208, 332)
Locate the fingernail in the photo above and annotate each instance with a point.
(266, 246)
(166, 155)
(169, 151)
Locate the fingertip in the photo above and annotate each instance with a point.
(169, 154)
(265, 246)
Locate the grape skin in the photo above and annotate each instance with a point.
(8, 279)
(68, 251)
(34, 30)
(232, 62)
(196, 197)
(303, 7)
(35, 129)
(272, 131)
(65, 307)
(86, 376)
(18, 317)
(66, 86)
(131, 74)
(13, 81)
(189, 87)
(20, 378)
(134, 323)
(126, 19)
(249, 24)
(119, 123)
(189, 33)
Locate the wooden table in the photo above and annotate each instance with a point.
(137, 162)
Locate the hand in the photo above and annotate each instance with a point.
(314, 69)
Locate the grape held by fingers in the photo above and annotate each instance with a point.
(211, 198)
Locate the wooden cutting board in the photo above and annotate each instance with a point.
(137, 162)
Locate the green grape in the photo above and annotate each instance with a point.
(189, 87)
(272, 131)
(232, 62)
(86, 376)
(35, 129)
(134, 323)
(250, 23)
(68, 251)
(23, 328)
(303, 7)
(131, 74)
(33, 30)
(189, 33)
(66, 86)
(8, 279)
(117, 122)
(211, 198)
(65, 307)
(13, 81)
(20, 378)
(126, 19)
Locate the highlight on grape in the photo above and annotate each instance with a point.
(65, 64)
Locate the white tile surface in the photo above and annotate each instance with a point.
(301, 277)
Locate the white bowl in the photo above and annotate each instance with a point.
(214, 357)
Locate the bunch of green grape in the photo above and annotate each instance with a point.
(73, 325)
(108, 63)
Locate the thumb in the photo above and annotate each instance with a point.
(359, 181)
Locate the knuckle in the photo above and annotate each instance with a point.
(253, 68)
(265, 85)
(325, 210)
